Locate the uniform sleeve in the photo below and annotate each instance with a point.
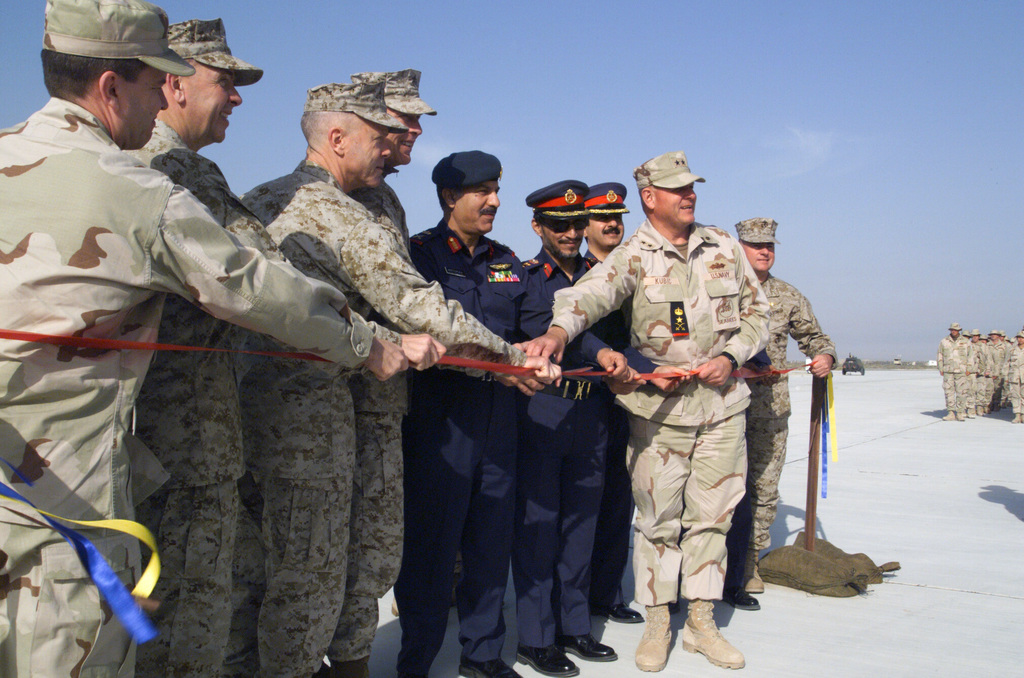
(752, 335)
(196, 258)
(805, 329)
(602, 290)
(381, 269)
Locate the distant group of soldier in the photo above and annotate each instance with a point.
(981, 374)
(288, 497)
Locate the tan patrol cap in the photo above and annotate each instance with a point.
(207, 43)
(757, 230)
(365, 99)
(956, 326)
(668, 170)
(112, 29)
(401, 90)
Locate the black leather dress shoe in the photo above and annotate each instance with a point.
(740, 599)
(617, 613)
(494, 668)
(550, 660)
(586, 647)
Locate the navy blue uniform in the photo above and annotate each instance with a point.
(459, 446)
(560, 480)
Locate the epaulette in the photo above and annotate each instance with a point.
(421, 238)
(502, 246)
(532, 263)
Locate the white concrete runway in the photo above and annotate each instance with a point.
(945, 499)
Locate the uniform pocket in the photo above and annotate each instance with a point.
(725, 304)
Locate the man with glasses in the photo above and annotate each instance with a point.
(562, 440)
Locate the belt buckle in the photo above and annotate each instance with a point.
(581, 391)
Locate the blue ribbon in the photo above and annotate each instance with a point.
(824, 446)
(121, 602)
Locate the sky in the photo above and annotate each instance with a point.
(886, 138)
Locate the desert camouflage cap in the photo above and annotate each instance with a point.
(956, 326)
(112, 29)
(975, 333)
(207, 43)
(401, 90)
(757, 230)
(365, 99)
(998, 333)
(1019, 335)
(668, 170)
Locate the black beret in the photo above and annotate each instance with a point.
(467, 168)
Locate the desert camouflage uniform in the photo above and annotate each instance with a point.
(768, 417)
(952, 362)
(326, 233)
(1000, 351)
(89, 242)
(975, 380)
(1015, 378)
(687, 455)
(986, 376)
(188, 414)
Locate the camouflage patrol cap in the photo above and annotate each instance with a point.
(956, 326)
(668, 170)
(207, 43)
(365, 99)
(401, 90)
(112, 29)
(757, 230)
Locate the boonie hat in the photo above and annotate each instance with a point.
(365, 99)
(207, 43)
(1019, 335)
(607, 198)
(466, 168)
(401, 90)
(561, 200)
(112, 29)
(668, 170)
(975, 333)
(956, 326)
(757, 230)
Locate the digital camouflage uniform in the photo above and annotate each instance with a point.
(375, 540)
(768, 417)
(188, 414)
(89, 241)
(325, 232)
(687, 455)
(952, 363)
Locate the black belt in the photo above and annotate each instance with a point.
(571, 389)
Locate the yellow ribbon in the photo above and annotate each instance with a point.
(832, 418)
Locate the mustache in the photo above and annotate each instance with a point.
(489, 210)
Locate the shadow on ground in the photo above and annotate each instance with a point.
(1012, 500)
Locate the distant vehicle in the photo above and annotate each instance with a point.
(853, 365)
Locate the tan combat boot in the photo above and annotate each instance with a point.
(652, 652)
(950, 417)
(700, 634)
(971, 412)
(1019, 419)
(961, 416)
(751, 577)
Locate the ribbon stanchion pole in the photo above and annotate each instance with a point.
(811, 510)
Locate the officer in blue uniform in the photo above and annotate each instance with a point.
(562, 438)
(459, 439)
(605, 205)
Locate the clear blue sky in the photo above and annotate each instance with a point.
(886, 138)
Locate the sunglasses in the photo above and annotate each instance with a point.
(565, 226)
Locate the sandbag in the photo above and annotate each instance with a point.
(826, 571)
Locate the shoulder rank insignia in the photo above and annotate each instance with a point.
(453, 244)
(548, 270)
(680, 329)
(530, 263)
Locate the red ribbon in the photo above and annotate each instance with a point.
(451, 361)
